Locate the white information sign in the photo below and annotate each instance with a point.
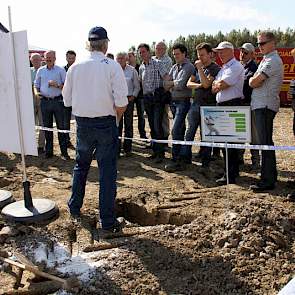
(226, 124)
(9, 134)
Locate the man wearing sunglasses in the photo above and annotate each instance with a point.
(265, 103)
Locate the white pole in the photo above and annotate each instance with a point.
(226, 163)
(19, 121)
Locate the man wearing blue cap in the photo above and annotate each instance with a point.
(96, 90)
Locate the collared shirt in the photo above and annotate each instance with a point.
(267, 95)
(151, 75)
(66, 67)
(95, 86)
(44, 75)
(132, 80)
(33, 74)
(250, 68)
(166, 60)
(232, 73)
(180, 73)
(204, 96)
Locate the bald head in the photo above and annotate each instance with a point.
(36, 60)
(160, 49)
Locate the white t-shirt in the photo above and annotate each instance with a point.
(95, 86)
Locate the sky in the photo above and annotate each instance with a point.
(61, 25)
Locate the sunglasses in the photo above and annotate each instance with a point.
(262, 43)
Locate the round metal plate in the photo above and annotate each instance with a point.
(5, 198)
(43, 210)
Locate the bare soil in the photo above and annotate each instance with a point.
(184, 235)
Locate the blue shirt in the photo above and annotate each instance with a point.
(43, 76)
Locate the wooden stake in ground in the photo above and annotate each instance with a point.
(71, 284)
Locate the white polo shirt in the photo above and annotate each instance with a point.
(95, 86)
(232, 73)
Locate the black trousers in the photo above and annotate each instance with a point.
(263, 124)
(233, 154)
(127, 121)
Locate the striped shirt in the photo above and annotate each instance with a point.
(151, 75)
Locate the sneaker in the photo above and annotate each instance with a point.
(261, 187)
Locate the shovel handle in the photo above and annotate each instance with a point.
(34, 270)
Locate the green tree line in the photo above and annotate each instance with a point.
(236, 37)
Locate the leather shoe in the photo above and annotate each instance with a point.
(153, 156)
(175, 166)
(65, 157)
(223, 181)
(41, 150)
(48, 155)
(261, 187)
(116, 228)
(159, 159)
(70, 145)
(291, 197)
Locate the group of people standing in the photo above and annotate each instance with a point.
(47, 83)
(102, 94)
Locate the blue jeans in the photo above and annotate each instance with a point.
(263, 125)
(179, 109)
(155, 110)
(194, 120)
(99, 135)
(50, 108)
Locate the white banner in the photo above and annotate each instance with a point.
(9, 134)
(226, 124)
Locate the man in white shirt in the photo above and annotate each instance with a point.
(97, 91)
(132, 80)
(228, 86)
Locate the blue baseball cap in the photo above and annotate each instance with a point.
(97, 33)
